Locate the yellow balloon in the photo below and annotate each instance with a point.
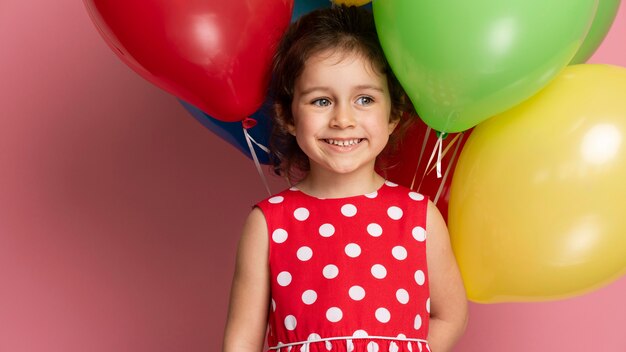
(351, 2)
(537, 206)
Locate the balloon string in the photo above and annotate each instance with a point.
(445, 151)
(439, 156)
(445, 175)
(263, 148)
(436, 151)
(420, 159)
(249, 140)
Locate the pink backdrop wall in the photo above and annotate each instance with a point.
(119, 213)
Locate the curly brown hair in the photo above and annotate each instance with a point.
(340, 29)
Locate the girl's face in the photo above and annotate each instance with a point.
(341, 109)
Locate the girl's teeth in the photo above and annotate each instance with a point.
(343, 143)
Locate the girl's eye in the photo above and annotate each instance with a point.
(365, 100)
(321, 102)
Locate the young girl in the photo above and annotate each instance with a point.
(340, 262)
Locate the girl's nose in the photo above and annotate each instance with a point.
(343, 117)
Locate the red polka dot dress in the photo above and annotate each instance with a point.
(348, 274)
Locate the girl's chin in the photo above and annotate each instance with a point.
(349, 169)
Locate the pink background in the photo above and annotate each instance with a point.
(119, 213)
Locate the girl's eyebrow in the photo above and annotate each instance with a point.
(359, 87)
(370, 86)
(314, 89)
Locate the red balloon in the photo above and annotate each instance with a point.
(410, 167)
(214, 54)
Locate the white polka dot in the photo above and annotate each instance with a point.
(276, 200)
(273, 305)
(372, 195)
(382, 315)
(391, 184)
(330, 271)
(402, 296)
(314, 337)
(411, 347)
(290, 322)
(419, 233)
(402, 336)
(329, 345)
(294, 188)
(284, 278)
(348, 210)
(356, 293)
(353, 250)
(334, 314)
(420, 277)
(350, 346)
(279, 236)
(360, 334)
(428, 305)
(394, 213)
(301, 214)
(304, 253)
(327, 230)
(374, 230)
(416, 196)
(309, 297)
(399, 252)
(393, 347)
(372, 347)
(418, 322)
(379, 271)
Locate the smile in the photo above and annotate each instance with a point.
(344, 142)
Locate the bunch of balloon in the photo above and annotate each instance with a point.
(540, 183)
(538, 196)
(462, 64)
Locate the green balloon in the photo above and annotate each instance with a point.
(462, 62)
(607, 10)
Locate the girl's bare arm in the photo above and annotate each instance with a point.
(249, 297)
(448, 302)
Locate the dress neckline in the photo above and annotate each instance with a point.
(373, 194)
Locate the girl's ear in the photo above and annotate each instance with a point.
(393, 124)
(285, 123)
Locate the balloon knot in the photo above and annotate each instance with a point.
(248, 122)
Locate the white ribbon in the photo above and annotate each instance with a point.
(420, 157)
(250, 140)
(436, 150)
(445, 175)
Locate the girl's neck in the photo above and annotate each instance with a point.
(331, 185)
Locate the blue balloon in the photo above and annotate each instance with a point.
(232, 132)
(302, 7)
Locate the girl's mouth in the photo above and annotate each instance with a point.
(344, 142)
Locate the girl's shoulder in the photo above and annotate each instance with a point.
(279, 197)
(403, 193)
